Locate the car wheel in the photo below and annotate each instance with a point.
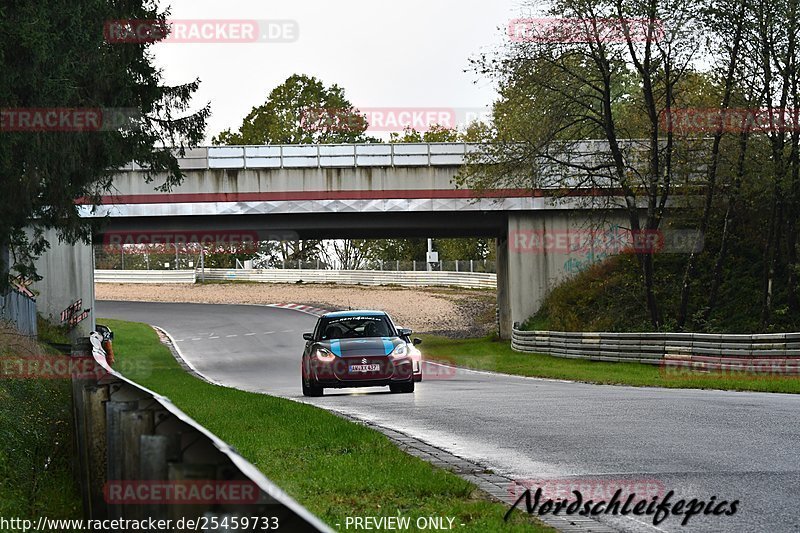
(309, 390)
(402, 387)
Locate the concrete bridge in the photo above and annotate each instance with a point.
(361, 191)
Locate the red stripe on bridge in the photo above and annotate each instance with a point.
(398, 194)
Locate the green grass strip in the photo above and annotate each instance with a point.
(497, 356)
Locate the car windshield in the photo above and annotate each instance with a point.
(355, 327)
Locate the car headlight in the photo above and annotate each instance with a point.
(324, 355)
(400, 352)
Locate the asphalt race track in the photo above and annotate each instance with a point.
(732, 445)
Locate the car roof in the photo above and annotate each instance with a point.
(345, 314)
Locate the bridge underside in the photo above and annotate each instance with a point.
(439, 224)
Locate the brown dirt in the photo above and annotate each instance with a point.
(441, 311)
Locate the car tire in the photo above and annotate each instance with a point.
(310, 390)
(402, 387)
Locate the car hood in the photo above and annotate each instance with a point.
(361, 347)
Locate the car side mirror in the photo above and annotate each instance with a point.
(308, 336)
(403, 332)
(417, 342)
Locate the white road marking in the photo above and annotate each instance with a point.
(230, 336)
(196, 339)
(288, 331)
(249, 334)
(644, 523)
(268, 332)
(213, 337)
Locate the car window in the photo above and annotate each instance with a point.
(354, 327)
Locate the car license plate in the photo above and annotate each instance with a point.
(365, 368)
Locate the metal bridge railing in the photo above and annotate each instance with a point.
(324, 156)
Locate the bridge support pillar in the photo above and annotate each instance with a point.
(503, 296)
(68, 276)
(540, 250)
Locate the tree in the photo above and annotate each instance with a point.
(728, 23)
(351, 254)
(42, 173)
(465, 249)
(436, 134)
(557, 90)
(301, 111)
(401, 249)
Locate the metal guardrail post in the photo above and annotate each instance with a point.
(156, 452)
(115, 445)
(81, 350)
(94, 399)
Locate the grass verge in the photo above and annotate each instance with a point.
(497, 356)
(332, 466)
(36, 447)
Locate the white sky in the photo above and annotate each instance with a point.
(384, 54)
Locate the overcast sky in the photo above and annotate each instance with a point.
(384, 54)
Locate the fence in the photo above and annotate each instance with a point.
(324, 155)
(468, 280)
(462, 265)
(359, 277)
(702, 350)
(20, 310)
(140, 457)
(116, 258)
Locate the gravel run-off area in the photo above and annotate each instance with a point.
(451, 312)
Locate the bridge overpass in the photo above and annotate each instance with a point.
(357, 191)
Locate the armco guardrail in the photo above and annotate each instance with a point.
(704, 350)
(145, 276)
(468, 280)
(140, 457)
(20, 310)
(358, 277)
